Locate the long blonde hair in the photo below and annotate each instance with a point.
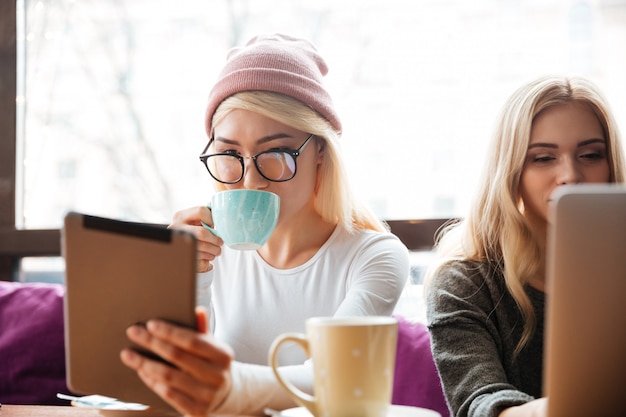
(495, 230)
(334, 199)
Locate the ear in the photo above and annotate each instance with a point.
(321, 149)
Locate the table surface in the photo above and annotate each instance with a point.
(9, 410)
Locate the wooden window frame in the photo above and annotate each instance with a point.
(14, 243)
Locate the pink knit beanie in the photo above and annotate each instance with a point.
(278, 63)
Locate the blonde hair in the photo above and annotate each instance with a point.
(334, 200)
(495, 231)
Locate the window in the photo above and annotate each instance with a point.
(111, 95)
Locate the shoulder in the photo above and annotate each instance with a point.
(465, 275)
(367, 251)
(366, 239)
(465, 285)
(371, 246)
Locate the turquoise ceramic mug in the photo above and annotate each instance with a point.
(244, 219)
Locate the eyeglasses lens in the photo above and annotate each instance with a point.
(277, 166)
(224, 168)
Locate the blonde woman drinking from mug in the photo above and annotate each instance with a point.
(485, 295)
(328, 255)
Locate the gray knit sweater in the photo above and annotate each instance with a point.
(475, 326)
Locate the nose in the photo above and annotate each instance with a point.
(568, 172)
(252, 179)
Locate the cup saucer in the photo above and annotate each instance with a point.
(111, 407)
(394, 411)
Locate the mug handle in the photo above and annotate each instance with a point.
(298, 395)
(209, 228)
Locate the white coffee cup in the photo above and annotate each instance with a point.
(353, 365)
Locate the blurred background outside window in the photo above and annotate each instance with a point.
(112, 93)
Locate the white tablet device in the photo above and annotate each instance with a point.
(117, 274)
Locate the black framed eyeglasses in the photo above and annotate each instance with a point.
(276, 165)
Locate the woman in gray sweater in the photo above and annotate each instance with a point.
(485, 292)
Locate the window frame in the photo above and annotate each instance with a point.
(8, 61)
(14, 243)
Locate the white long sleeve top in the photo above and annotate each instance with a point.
(251, 303)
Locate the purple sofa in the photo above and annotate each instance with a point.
(416, 380)
(32, 354)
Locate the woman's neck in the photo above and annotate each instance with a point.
(296, 240)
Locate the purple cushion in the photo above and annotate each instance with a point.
(32, 353)
(416, 380)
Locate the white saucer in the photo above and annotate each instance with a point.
(111, 407)
(113, 412)
(394, 411)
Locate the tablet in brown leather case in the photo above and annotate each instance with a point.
(117, 274)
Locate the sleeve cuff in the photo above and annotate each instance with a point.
(254, 388)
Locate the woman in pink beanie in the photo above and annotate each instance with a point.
(328, 256)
